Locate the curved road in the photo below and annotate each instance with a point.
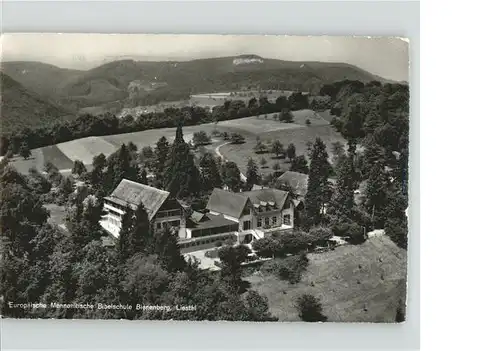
(218, 153)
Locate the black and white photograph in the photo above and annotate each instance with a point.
(255, 178)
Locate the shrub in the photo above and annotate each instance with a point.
(237, 138)
(289, 269)
(263, 162)
(308, 122)
(201, 138)
(310, 309)
(320, 235)
(276, 167)
(295, 242)
(286, 116)
(260, 148)
(353, 231)
(267, 247)
(212, 253)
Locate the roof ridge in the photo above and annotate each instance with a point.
(232, 192)
(146, 186)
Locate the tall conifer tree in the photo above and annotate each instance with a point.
(165, 245)
(182, 177)
(141, 231)
(318, 186)
(124, 240)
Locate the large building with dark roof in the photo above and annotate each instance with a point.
(239, 217)
(257, 212)
(161, 208)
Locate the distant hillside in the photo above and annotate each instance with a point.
(46, 80)
(21, 107)
(146, 82)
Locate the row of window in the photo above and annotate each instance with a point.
(268, 222)
(246, 211)
(274, 221)
(114, 221)
(168, 213)
(205, 241)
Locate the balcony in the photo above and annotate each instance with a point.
(172, 214)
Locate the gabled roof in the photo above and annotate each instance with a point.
(232, 204)
(213, 221)
(268, 196)
(132, 194)
(227, 202)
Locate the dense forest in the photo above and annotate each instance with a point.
(41, 262)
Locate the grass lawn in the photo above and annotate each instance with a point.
(85, 149)
(23, 166)
(54, 155)
(347, 292)
(326, 115)
(299, 135)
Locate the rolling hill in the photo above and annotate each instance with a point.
(21, 107)
(133, 83)
(48, 81)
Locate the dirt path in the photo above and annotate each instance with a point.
(218, 153)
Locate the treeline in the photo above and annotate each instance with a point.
(374, 119)
(108, 124)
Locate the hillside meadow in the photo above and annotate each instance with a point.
(362, 283)
(267, 131)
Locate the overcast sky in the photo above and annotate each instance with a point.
(386, 57)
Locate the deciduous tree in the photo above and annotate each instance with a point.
(210, 175)
(78, 168)
(253, 176)
(231, 176)
(277, 148)
(290, 152)
(299, 164)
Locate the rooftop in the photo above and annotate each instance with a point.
(214, 221)
(232, 204)
(132, 194)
